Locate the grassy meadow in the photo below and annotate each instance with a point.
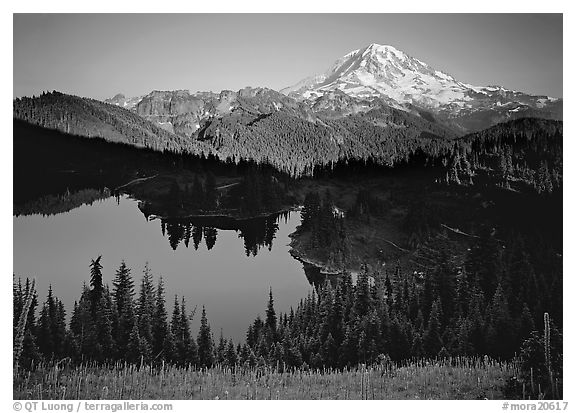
(457, 378)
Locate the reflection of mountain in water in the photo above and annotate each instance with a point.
(256, 232)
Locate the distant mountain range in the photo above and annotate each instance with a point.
(373, 76)
(374, 103)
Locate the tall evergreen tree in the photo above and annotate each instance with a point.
(123, 298)
(145, 311)
(84, 329)
(432, 341)
(135, 349)
(271, 315)
(484, 263)
(526, 326)
(175, 328)
(162, 339)
(205, 344)
(104, 319)
(185, 345)
(221, 349)
(52, 327)
(310, 210)
(363, 299)
(96, 281)
(231, 357)
(501, 332)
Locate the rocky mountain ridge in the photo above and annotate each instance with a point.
(372, 77)
(384, 71)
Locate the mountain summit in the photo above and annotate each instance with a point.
(384, 71)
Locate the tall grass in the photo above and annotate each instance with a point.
(452, 378)
(547, 356)
(21, 326)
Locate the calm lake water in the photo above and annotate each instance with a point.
(232, 285)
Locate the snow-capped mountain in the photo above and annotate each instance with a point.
(372, 78)
(384, 71)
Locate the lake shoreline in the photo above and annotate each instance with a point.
(297, 251)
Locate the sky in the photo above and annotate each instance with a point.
(100, 55)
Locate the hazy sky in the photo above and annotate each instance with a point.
(100, 55)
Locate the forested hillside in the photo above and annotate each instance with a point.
(282, 134)
(515, 154)
(92, 118)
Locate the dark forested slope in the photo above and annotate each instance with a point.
(267, 128)
(91, 118)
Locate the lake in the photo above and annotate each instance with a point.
(213, 264)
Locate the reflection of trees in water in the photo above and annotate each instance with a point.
(176, 232)
(196, 236)
(53, 204)
(210, 237)
(317, 279)
(259, 232)
(256, 232)
(182, 231)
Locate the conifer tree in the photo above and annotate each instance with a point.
(526, 324)
(310, 210)
(477, 323)
(145, 311)
(348, 351)
(96, 281)
(205, 344)
(231, 357)
(501, 332)
(135, 349)
(185, 348)
(56, 325)
(330, 351)
(445, 286)
(46, 339)
(363, 298)
(162, 345)
(484, 263)
(123, 298)
(83, 327)
(175, 328)
(271, 315)
(432, 341)
(221, 349)
(104, 321)
(388, 290)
